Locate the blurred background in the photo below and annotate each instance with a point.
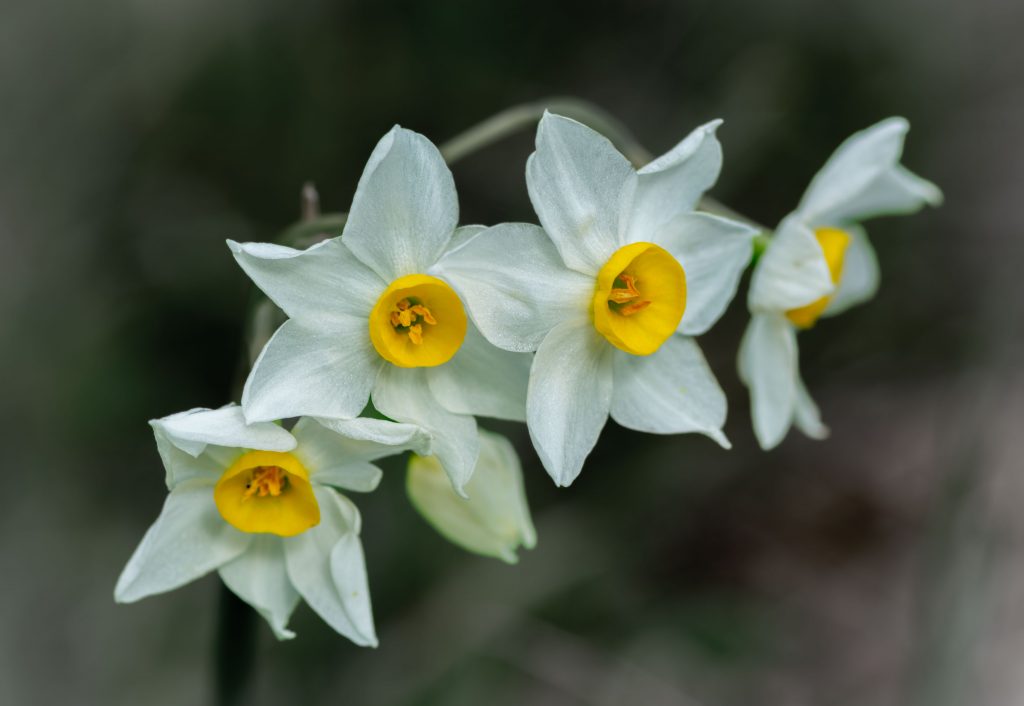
(882, 567)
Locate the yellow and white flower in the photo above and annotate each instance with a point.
(495, 520)
(260, 505)
(820, 263)
(610, 292)
(371, 315)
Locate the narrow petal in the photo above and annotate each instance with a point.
(483, 380)
(259, 577)
(852, 167)
(714, 253)
(806, 415)
(304, 371)
(672, 391)
(316, 286)
(569, 397)
(333, 457)
(894, 192)
(405, 208)
(768, 367)
(404, 395)
(188, 540)
(495, 520)
(791, 273)
(582, 190)
(674, 182)
(326, 566)
(191, 431)
(860, 277)
(515, 285)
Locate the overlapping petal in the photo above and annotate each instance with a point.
(672, 391)
(714, 253)
(188, 540)
(326, 565)
(322, 286)
(860, 278)
(516, 286)
(405, 208)
(569, 397)
(674, 182)
(404, 394)
(307, 371)
(582, 190)
(259, 577)
(791, 273)
(768, 366)
(483, 380)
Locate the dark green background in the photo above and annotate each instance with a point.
(881, 567)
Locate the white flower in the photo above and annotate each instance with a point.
(820, 263)
(611, 290)
(370, 315)
(495, 519)
(259, 505)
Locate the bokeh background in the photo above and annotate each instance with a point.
(882, 567)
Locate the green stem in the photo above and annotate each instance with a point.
(516, 118)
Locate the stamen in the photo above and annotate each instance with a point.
(409, 316)
(266, 480)
(628, 292)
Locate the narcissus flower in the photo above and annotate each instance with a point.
(610, 291)
(260, 505)
(495, 519)
(820, 263)
(370, 315)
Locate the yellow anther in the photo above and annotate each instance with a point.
(266, 480)
(416, 334)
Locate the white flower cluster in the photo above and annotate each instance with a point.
(593, 313)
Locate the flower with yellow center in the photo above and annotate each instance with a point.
(610, 292)
(372, 316)
(818, 264)
(261, 506)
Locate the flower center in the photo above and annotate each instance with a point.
(418, 322)
(639, 298)
(267, 491)
(834, 243)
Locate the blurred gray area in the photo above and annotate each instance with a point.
(881, 567)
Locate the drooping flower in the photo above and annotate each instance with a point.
(370, 315)
(260, 505)
(610, 292)
(495, 519)
(820, 263)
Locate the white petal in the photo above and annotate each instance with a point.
(894, 191)
(483, 380)
(259, 577)
(495, 519)
(806, 415)
(569, 397)
(515, 285)
(191, 431)
(768, 366)
(859, 280)
(304, 371)
(404, 395)
(315, 286)
(852, 168)
(582, 190)
(714, 253)
(188, 540)
(326, 566)
(792, 271)
(334, 458)
(405, 208)
(672, 391)
(674, 182)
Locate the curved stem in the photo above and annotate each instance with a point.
(516, 118)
